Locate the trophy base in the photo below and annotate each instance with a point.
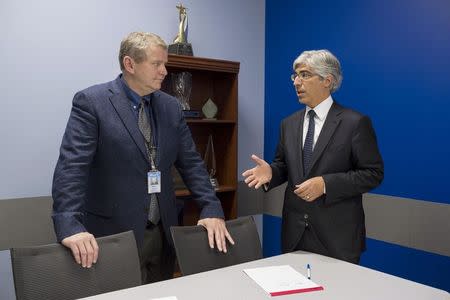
(181, 49)
(214, 183)
(191, 113)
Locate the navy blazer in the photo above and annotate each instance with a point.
(346, 155)
(100, 180)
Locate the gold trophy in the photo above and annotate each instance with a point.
(180, 43)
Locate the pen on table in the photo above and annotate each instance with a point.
(308, 269)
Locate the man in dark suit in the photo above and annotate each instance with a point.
(121, 141)
(329, 157)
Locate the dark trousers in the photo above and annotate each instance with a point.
(311, 242)
(156, 256)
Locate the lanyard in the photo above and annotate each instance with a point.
(149, 145)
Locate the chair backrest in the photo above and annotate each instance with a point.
(50, 271)
(194, 254)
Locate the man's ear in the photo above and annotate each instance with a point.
(128, 64)
(328, 80)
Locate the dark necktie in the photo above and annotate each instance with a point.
(146, 130)
(309, 140)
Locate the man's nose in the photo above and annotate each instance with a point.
(163, 70)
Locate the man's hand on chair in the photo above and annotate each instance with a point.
(217, 232)
(84, 248)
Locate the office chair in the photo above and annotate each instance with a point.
(50, 271)
(194, 254)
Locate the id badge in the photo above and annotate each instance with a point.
(154, 181)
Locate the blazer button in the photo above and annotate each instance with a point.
(305, 216)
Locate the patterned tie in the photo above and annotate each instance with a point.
(146, 130)
(309, 140)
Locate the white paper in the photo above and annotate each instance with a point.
(165, 298)
(281, 279)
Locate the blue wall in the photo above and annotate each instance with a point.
(396, 65)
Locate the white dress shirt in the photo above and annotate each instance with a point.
(321, 111)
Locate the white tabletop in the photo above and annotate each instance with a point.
(341, 280)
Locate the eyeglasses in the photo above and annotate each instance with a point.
(303, 75)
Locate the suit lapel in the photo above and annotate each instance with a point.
(300, 141)
(331, 123)
(122, 106)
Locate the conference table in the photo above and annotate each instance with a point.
(340, 280)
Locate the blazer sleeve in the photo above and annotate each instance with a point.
(278, 165)
(71, 174)
(193, 171)
(367, 171)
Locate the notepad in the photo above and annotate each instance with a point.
(281, 280)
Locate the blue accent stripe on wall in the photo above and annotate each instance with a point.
(420, 266)
(416, 265)
(271, 235)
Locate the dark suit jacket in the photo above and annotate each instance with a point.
(346, 155)
(100, 180)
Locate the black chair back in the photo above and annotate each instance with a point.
(194, 254)
(50, 271)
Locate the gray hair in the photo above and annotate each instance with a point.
(323, 63)
(135, 45)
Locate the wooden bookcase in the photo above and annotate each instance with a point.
(218, 80)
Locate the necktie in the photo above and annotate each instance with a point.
(146, 130)
(309, 140)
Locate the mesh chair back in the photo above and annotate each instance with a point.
(50, 271)
(194, 254)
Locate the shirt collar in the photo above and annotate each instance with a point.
(322, 109)
(132, 95)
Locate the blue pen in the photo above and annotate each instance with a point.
(308, 269)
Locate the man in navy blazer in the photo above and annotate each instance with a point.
(100, 184)
(329, 157)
